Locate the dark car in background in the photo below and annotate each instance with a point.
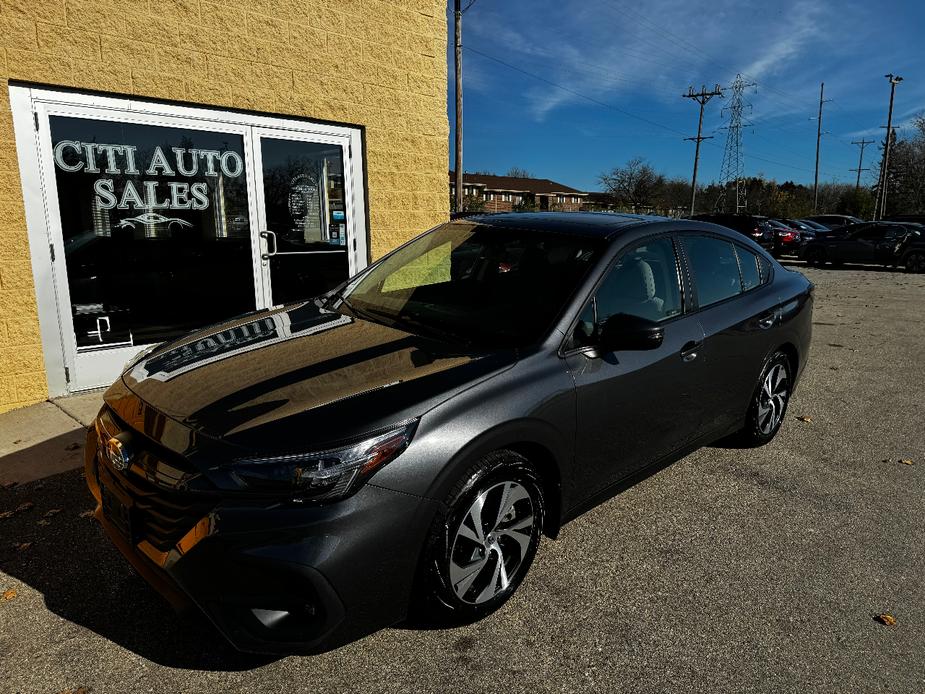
(308, 473)
(813, 226)
(882, 243)
(753, 226)
(788, 237)
(833, 221)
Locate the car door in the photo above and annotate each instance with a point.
(737, 309)
(863, 245)
(635, 407)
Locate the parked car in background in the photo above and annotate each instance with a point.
(755, 227)
(883, 243)
(788, 239)
(814, 226)
(305, 473)
(833, 221)
(906, 219)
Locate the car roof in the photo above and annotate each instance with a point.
(593, 224)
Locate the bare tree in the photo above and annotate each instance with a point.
(635, 184)
(517, 172)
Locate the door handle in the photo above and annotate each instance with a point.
(269, 235)
(690, 350)
(768, 320)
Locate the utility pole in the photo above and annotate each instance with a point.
(880, 208)
(818, 141)
(459, 108)
(701, 98)
(862, 143)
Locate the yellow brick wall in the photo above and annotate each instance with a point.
(377, 64)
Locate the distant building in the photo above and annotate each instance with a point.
(506, 193)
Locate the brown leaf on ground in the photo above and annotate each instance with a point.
(906, 461)
(25, 506)
(7, 595)
(87, 514)
(887, 619)
(43, 522)
(7, 514)
(23, 546)
(805, 418)
(52, 512)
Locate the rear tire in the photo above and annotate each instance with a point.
(915, 262)
(482, 545)
(815, 255)
(768, 407)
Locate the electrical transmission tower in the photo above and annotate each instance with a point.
(733, 168)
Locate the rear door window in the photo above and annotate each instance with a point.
(714, 266)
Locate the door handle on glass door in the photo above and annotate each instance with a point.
(690, 350)
(269, 235)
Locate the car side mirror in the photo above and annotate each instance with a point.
(625, 332)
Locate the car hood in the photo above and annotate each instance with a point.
(277, 378)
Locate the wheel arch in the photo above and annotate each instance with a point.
(541, 444)
(793, 355)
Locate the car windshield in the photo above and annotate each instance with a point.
(473, 284)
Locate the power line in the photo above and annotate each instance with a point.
(604, 104)
(574, 92)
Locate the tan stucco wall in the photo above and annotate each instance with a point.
(377, 64)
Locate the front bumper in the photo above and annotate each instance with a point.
(278, 577)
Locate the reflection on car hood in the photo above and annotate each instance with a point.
(268, 375)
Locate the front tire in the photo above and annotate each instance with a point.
(768, 407)
(481, 547)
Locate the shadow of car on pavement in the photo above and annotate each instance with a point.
(55, 546)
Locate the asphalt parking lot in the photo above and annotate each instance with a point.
(732, 570)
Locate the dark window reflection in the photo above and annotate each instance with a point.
(304, 195)
(156, 228)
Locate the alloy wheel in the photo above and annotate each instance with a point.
(491, 542)
(772, 400)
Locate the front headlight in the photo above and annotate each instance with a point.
(328, 474)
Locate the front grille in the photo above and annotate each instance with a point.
(160, 516)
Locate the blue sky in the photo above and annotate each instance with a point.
(622, 57)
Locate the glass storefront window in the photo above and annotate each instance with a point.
(156, 228)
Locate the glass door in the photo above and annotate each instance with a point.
(161, 218)
(155, 233)
(304, 213)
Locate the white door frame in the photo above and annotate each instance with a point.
(31, 108)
